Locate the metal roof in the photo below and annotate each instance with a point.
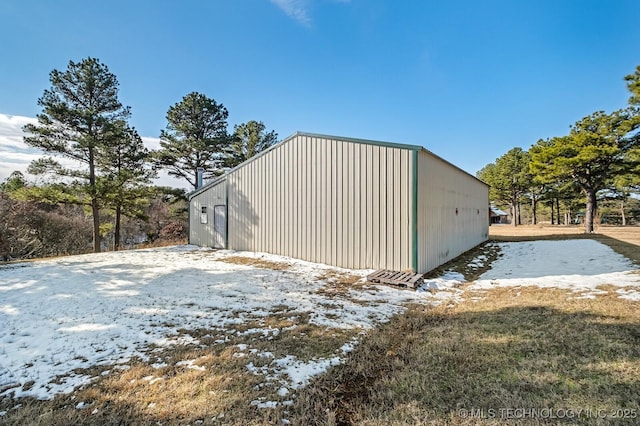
(498, 212)
(323, 136)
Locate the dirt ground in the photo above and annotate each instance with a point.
(623, 239)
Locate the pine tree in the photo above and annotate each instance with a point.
(195, 137)
(595, 152)
(78, 113)
(509, 179)
(250, 138)
(126, 175)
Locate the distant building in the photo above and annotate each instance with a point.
(498, 216)
(346, 202)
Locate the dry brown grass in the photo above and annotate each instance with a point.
(464, 264)
(256, 263)
(144, 395)
(339, 284)
(517, 348)
(207, 383)
(540, 350)
(509, 348)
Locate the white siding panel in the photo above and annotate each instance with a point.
(325, 200)
(452, 212)
(202, 234)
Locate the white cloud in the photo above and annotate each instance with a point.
(298, 10)
(17, 155)
(14, 153)
(295, 9)
(151, 143)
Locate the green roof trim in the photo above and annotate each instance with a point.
(293, 136)
(414, 148)
(360, 141)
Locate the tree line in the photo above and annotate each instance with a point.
(598, 160)
(96, 165)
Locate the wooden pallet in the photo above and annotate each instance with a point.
(403, 279)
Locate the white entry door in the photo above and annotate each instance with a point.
(219, 226)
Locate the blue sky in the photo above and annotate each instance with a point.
(468, 80)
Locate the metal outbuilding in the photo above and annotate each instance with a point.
(346, 202)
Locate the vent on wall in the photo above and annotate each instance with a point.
(199, 173)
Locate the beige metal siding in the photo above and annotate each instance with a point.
(325, 200)
(443, 234)
(199, 233)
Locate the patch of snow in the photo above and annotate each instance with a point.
(190, 364)
(447, 281)
(629, 294)
(76, 312)
(577, 265)
(151, 379)
(301, 372)
(265, 404)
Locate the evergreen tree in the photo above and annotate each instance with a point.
(632, 179)
(592, 155)
(14, 182)
(126, 175)
(195, 137)
(249, 139)
(509, 180)
(78, 113)
(633, 84)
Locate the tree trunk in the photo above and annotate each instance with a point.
(116, 242)
(592, 207)
(95, 212)
(512, 211)
(534, 209)
(558, 209)
(553, 221)
(519, 215)
(623, 217)
(95, 208)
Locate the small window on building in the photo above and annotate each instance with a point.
(203, 214)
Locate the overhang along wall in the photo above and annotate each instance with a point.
(452, 212)
(340, 202)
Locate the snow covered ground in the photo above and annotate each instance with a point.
(103, 309)
(577, 265)
(100, 309)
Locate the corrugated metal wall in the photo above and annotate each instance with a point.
(452, 212)
(202, 234)
(325, 200)
(347, 203)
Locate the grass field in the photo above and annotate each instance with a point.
(510, 356)
(516, 355)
